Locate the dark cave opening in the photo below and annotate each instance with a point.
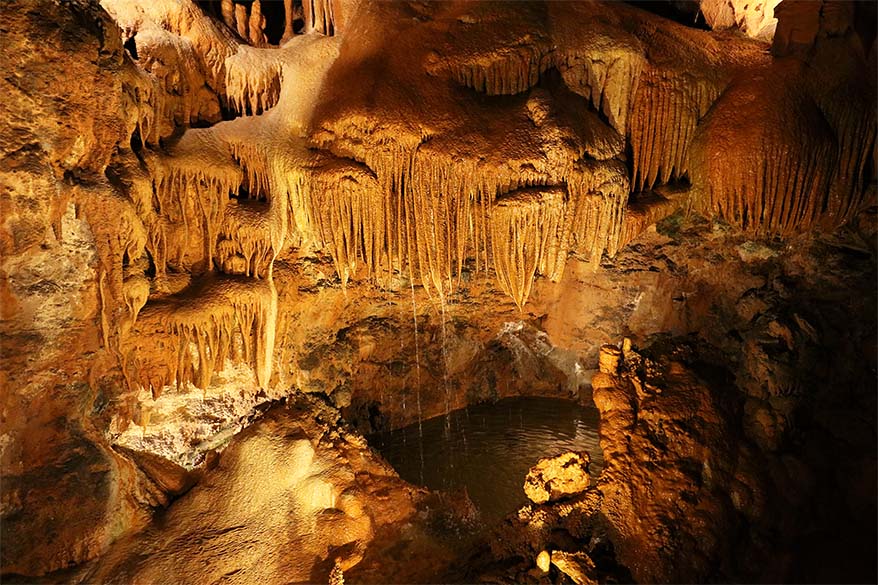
(681, 11)
(274, 12)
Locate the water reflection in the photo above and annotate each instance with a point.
(489, 448)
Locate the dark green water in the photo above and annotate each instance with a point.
(489, 448)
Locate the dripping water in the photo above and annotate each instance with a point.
(445, 365)
(418, 379)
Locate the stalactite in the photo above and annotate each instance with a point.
(253, 80)
(600, 191)
(610, 86)
(319, 16)
(528, 230)
(346, 206)
(191, 185)
(665, 113)
(187, 337)
(510, 72)
(246, 230)
(771, 174)
(434, 214)
(847, 102)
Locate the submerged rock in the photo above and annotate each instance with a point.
(553, 478)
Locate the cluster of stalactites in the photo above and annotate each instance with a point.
(609, 85)
(253, 80)
(658, 110)
(796, 166)
(664, 116)
(188, 337)
(245, 239)
(777, 190)
(508, 73)
(170, 34)
(120, 240)
(403, 214)
(409, 213)
(428, 218)
(147, 105)
(320, 16)
(530, 231)
(192, 199)
(345, 207)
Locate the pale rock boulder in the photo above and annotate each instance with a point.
(755, 18)
(553, 478)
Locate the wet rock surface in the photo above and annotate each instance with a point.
(553, 478)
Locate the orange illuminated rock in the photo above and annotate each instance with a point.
(553, 478)
(578, 566)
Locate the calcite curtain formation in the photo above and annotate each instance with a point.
(440, 145)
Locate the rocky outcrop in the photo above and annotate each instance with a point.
(695, 482)
(553, 478)
(668, 443)
(290, 498)
(67, 89)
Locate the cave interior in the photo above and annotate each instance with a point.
(448, 291)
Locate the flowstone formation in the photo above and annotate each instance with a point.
(208, 206)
